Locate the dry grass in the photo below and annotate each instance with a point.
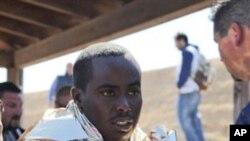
(160, 94)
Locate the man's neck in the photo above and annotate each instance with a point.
(116, 139)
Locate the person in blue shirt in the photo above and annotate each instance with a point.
(61, 81)
(232, 33)
(189, 91)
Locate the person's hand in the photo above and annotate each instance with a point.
(153, 137)
(161, 133)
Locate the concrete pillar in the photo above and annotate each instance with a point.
(15, 75)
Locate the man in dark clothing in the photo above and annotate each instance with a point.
(232, 33)
(10, 95)
(61, 81)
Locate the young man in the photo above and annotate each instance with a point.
(232, 33)
(106, 102)
(189, 91)
(10, 95)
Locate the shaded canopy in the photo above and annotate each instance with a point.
(32, 31)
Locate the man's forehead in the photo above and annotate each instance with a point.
(11, 96)
(109, 61)
(113, 68)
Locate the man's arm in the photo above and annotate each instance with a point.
(187, 58)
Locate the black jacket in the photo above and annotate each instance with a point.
(12, 134)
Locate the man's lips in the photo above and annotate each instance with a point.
(123, 124)
(16, 117)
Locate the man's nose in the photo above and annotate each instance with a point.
(123, 105)
(19, 111)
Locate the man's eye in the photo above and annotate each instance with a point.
(11, 105)
(134, 92)
(108, 93)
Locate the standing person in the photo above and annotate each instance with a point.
(189, 91)
(10, 95)
(232, 33)
(61, 81)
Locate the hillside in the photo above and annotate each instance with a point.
(159, 107)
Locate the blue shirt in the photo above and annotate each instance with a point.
(60, 81)
(244, 117)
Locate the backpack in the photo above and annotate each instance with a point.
(205, 74)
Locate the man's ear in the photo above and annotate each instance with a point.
(76, 95)
(235, 33)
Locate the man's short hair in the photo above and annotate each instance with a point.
(231, 11)
(64, 91)
(8, 87)
(83, 68)
(181, 36)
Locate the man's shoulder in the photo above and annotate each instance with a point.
(60, 77)
(247, 109)
(244, 117)
(64, 77)
(191, 49)
(60, 120)
(186, 52)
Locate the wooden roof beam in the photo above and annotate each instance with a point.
(85, 8)
(18, 34)
(6, 59)
(52, 5)
(5, 46)
(16, 8)
(25, 20)
(133, 17)
(16, 40)
(27, 28)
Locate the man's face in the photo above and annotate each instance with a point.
(235, 56)
(180, 44)
(13, 110)
(112, 100)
